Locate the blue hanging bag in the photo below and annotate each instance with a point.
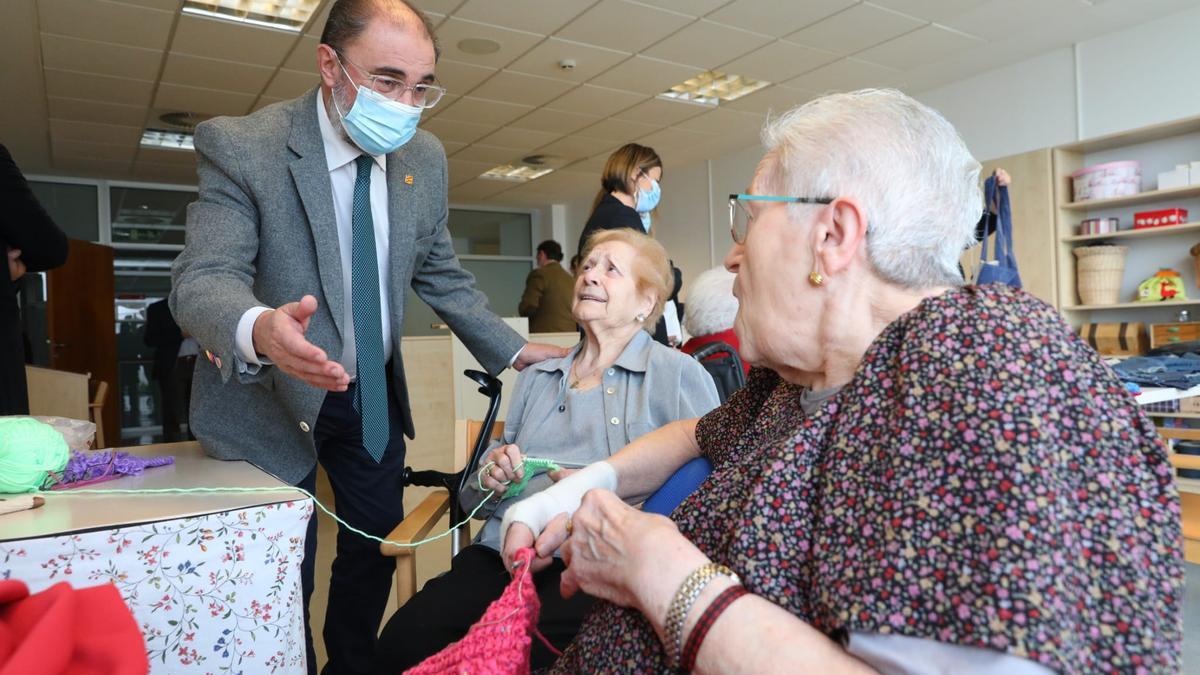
(1003, 269)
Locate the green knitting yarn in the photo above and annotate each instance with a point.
(28, 450)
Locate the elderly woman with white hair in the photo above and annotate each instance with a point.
(924, 477)
(711, 309)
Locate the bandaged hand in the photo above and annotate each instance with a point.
(532, 515)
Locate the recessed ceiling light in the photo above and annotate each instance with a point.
(288, 15)
(515, 174)
(479, 46)
(710, 88)
(171, 140)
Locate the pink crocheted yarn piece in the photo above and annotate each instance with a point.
(499, 643)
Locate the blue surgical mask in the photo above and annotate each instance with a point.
(377, 124)
(645, 221)
(648, 199)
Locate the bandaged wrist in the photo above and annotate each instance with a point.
(562, 497)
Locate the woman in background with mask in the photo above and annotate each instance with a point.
(629, 193)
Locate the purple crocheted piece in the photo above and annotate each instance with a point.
(88, 466)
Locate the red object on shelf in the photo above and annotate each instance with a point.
(1159, 218)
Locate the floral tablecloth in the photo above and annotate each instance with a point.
(218, 593)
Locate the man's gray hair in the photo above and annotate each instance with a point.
(901, 161)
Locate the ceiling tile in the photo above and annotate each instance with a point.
(646, 75)
(536, 16)
(442, 104)
(205, 101)
(593, 100)
(167, 157)
(490, 154)
(672, 138)
(565, 182)
(317, 23)
(723, 121)
(164, 5)
(68, 84)
(690, 7)
(513, 43)
(94, 111)
(230, 41)
(661, 112)
(290, 84)
(855, 29)
(102, 58)
(920, 47)
(1000, 20)
(471, 109)
(460, 78)
(476, 189)
(452, 147)
(462, 171)
(264, 101)
(304, 55)
(196, 71)
(555, 121)
(462, 132)
(574, 148)
(119, 153)
(774, 99)
(777, 18)
(931, 10)
(589, 61)
(523, 140)
(706, 45)
(523, 89)
(591, 165)
(167, 174)
(102, 168)
(438, 6)
(620, 131)
(846, 75)
(71, 130)
(624, 26)
(106, 21)
(778, 61)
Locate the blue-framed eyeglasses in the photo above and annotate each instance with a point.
(740, 214)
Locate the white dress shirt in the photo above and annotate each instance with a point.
(339, 156)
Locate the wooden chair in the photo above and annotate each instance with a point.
(1189, 495)
(96, 411)
(419, 523)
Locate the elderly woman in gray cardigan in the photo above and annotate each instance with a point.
(615, 386)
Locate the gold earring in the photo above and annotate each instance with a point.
(816, 279)
(641, 318)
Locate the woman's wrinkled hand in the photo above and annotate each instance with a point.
(505, 468)
(612, 550)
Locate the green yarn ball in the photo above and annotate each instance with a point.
(28, 450)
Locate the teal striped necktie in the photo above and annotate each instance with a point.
(370, 396)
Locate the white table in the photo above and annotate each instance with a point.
(213, 580)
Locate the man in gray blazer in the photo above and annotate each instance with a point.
(315, 216)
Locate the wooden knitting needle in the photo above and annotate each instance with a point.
(22, 503)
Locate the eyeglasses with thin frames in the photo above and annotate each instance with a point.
(740, 215)
(424, 95)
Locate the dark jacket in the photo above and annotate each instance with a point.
(24, 225)
(549, 291)
(610, 214)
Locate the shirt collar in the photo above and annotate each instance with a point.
(339, 151)
(635, 357)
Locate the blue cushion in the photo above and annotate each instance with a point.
(677, 488)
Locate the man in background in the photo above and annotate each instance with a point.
(30, 242)
(549, 290)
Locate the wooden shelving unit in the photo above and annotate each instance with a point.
(1130, 305)
(1186, 192)
(1144, 233)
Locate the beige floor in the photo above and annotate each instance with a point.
(432, 560)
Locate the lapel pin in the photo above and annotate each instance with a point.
(408, 179)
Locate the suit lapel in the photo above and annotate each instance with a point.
(401, 233)
(310, 171)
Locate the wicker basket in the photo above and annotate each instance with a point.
(1195, 251)
(1099, 272)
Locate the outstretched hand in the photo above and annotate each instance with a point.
(279, 336)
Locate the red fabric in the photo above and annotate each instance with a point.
(727, 336)
(66, 631)
(499, 644)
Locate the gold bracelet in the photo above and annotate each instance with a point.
(682, 603)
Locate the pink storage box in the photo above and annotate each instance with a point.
(1112, 179)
